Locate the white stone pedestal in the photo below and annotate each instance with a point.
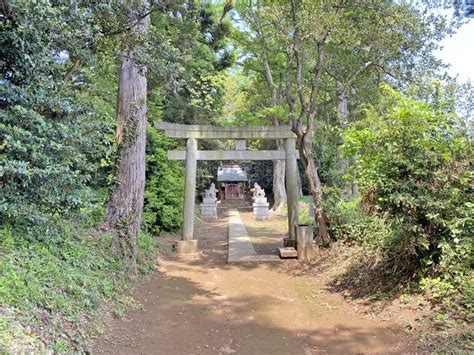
(209, 208)
(260, 209)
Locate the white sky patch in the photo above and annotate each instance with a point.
(458, 52)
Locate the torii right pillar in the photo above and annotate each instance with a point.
(291, 177)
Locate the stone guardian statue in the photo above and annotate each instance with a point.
(209, 203)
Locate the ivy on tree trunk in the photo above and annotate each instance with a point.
(125, 204)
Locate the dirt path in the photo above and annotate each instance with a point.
(208, 306)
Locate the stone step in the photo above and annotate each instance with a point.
(234, 204)
(288, 252)
(253, 258)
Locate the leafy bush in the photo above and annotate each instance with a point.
(347, 219)
(164, 194)
(304, 217)
(414, 165)
(55, 140)
(47, 164)
(57, 123)
(351, 224)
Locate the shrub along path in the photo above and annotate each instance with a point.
(209, 306)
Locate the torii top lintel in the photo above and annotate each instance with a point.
(174, 130)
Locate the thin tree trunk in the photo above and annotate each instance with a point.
(343, 162)
(315, 187)
(354, 183)
(300, 185)
(303, 125)
(279, 191)
(125, 203)
(305, 131)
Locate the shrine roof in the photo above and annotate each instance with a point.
(231, 173)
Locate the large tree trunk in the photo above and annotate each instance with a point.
(125, 203)
(279, 191)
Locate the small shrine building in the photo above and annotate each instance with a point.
(231, 179)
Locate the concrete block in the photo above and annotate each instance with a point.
(187, 247)
(305, 251)
(305, 244)
(287, 252)
(209, 200)
(304, 234)
(260, 201)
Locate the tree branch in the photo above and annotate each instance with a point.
(227, 7)
(289, 81)
(298, 49)
(71, 70)
(267, 73)
(129, 27)
(152, 9)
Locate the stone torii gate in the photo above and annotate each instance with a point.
(188, 245)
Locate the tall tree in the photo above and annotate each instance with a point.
(125, 204)
(259, 45)
(201, 55)
(329, 46)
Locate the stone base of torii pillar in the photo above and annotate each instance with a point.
(187, 247)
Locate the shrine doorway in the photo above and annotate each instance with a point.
(234, 191)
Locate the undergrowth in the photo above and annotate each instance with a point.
(51, 291)
(381, 271)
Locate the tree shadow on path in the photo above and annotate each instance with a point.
(178, 316)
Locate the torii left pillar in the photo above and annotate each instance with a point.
(187, 245)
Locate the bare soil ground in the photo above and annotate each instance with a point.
(266, 236)
(208, 306)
